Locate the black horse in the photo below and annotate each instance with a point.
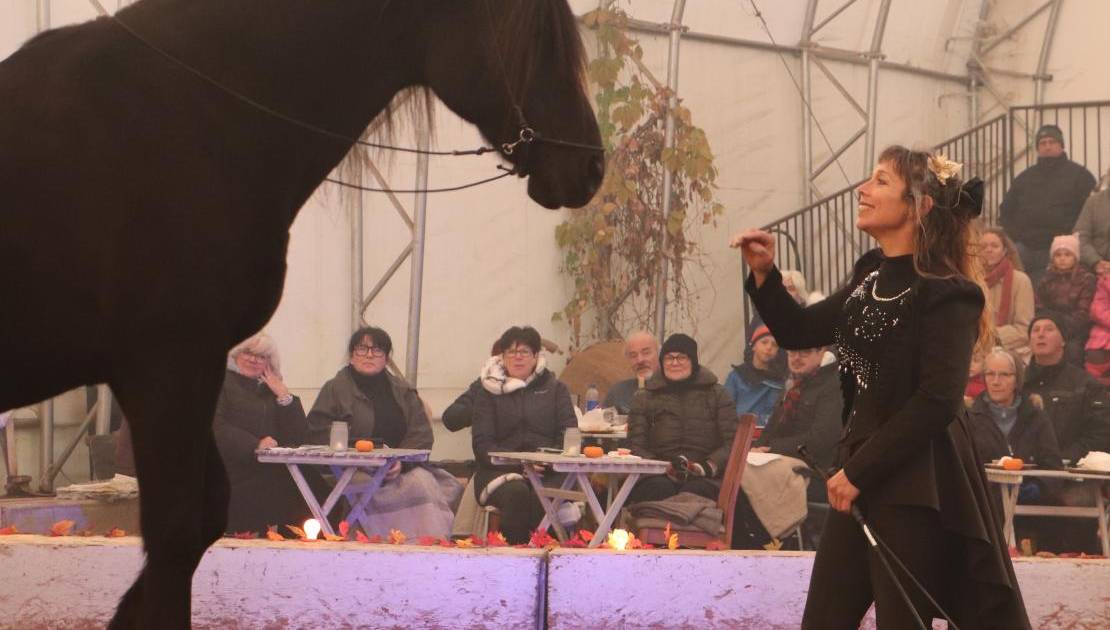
(145, 207)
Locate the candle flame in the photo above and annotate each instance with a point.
(311, 529)
(618, 539)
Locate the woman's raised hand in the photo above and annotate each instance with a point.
(758, 248)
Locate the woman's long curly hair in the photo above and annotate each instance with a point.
(946, 241)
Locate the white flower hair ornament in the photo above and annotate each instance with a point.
(943, 168)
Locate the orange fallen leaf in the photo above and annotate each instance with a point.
(464, 543)
(116, 532)
(332, 537)
(716, 545)
(427, 541)
(8, 531)
(361, 537)
(585, 535)
(61, 528)
(297, 531)
(344, 528)
(396, 537)
(272, 533)
(245, 535)
(672, 542)
(496, 539)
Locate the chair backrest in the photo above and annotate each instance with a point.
(737, 459)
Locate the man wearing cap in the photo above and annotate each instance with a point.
(1044, 200)
(685, 417)
(755, 386)
(1074, 400)
(642, 352)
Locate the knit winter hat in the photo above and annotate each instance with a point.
(1050, 131)
(1069, 242)
(1055, 318)
(759, 333)
(685, 344)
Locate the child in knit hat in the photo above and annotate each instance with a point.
(1068, 288)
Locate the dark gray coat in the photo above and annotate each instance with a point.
(529, 418)
(341, 399)
(246, 412)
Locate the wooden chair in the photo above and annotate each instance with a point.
(726, 500)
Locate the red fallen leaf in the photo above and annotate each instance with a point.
(361, 537)
(272, 534)
(116, 532)
(245, 535)
(427, 541)
(8, 531)
(397, 537)
(375, 539)
(61, 528)
(476, 542)
(446, 543)
(496, 539)
(716, 545)
(575, 543)
(540, 539)
(297, 531)
(344, 528)
(586, 536)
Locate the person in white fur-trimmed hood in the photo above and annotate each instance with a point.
(521, 407)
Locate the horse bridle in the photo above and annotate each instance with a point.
(526, 134)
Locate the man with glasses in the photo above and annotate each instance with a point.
(683, 416)
(642, 352)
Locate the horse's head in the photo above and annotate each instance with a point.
(486, 57)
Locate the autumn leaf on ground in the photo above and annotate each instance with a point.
(332, 537)
(716, 545)
(85, 533)
(245, 535)
(586, 536)
(444, 542)
(774, 545)
(272, 534)
(375, 539)
(344, 528)
(361, 537)
(672, 542)
(61, 528)
(116, 532)
(496, 539)
(397, 537)
(540, 538)
(574, 543)
(427, 541)
(8, 531)
(464, 543)
(297, 531)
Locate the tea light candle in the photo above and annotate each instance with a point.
(311, 529)
(618, 539)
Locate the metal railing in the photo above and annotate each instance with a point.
(821, 240)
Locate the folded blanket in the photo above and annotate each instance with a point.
(684, 509)
(777, 494)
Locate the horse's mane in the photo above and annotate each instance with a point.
(519, 30)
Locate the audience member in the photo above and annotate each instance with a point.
(754, 385)
(685, 417)
(521, 407)
(642, 351)
(1045, 199)
(810, 413)
(1068, 288)
(1009, 290)
(976, 383)
(460, 414)
(794, 282)
(1093, 228)
(256, 410)
(1004, 421)
(1098, 343)
(1074, 401)
(385, 409)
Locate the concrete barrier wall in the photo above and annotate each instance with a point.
(738, 589)
(75, 583)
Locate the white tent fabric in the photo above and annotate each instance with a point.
(491, 259)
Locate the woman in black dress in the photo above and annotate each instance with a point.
(905, 326)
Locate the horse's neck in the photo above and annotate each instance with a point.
(334, 65)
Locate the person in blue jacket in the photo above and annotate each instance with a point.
(756, 386)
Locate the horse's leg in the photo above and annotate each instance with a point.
(169, 399)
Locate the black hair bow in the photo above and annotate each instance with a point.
(970, 202)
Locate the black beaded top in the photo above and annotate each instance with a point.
(877, 306)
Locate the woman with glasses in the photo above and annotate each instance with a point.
(683, 416)
(521, 407)
(1008, 423)
(256, 410)
(384, 408)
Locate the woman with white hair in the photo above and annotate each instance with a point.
(257, 410)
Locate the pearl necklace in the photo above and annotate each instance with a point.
(875, 295)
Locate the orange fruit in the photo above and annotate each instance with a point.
(364, 446)
(1012, 463)
(593, 451)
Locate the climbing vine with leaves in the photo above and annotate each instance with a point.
(614, 248)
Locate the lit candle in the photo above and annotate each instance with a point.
(618, 539)
(311, 529)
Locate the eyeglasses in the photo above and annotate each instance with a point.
(998, 374)
(255, 356)
(523, 353)
(374, 351)
(676, 358)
